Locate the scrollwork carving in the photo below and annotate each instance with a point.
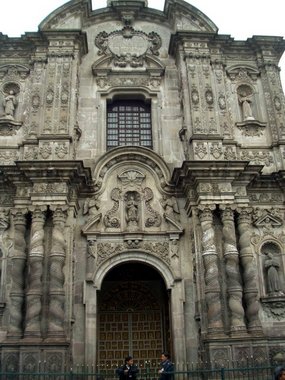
(110, 219)
(154, 220)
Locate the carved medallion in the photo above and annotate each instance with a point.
(128, 46)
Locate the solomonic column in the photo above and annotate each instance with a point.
(210, 260)
(249, 272)
(234, 283)
(56, 290)
(17, 273)
(35, 274)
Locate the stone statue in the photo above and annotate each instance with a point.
(91, 205)
(9, 104)
(132, 211)
(272, 266)
(245, 101)
(170, 207)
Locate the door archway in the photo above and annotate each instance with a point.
(133, 316)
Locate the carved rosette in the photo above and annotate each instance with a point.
(17, 274)
(210, 260)
(57, 260)
(234, 284)
(249, 271)
(36, 257)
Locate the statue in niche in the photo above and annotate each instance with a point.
(170, 207)
(91, 206)
(9, 103)
(245, 99)
(272, 266)
(132, 211)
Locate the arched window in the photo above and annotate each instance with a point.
(129, 123)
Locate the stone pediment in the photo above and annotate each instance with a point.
(268, 220)
(91, 224)
(175, 226)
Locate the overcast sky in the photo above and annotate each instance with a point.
(241, 19)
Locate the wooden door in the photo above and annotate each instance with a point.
(131, 322)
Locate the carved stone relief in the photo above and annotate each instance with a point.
(107, 250)
(128, 46)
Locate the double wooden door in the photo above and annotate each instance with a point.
(132, 320)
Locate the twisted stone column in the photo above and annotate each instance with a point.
(17, 273)
(234, 284)
(57, 261)
(249, 272)
(210, 259)
(35, 273)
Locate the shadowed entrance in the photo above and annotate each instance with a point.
(133, 316)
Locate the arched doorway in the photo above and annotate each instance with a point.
(133, 316)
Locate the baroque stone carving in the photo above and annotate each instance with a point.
(267, 218)
(110, 219)
(35, 273)
(249, 270)
(272, 267)
(132, 200)
(57, 260)
(17, 273)
(128, 46)
(210, 260)
(91, 206)
(222, 102)
(154, 220)
(131, 178)
(8, 125)
(274, 308)
(234, 283)
(107, 250)
(245, 99)
(257, 157)
(170, 207)
(50, 188)
(209, 97)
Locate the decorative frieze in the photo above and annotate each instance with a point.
(50, 188)
(107, 250)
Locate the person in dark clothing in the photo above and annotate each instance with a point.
(128, 371)
(279, 373)
(166, 367)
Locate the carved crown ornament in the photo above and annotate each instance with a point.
(127, 48)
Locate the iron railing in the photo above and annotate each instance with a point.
(258, 372)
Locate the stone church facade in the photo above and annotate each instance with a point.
(142, 190)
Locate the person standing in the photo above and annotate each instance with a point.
(279, 373)
(166, 367)
(128, 371)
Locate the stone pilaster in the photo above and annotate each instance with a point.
(17, 273)
(249, 271)
(210, 260)
(57, 261)
(234, 284)
(35, 273)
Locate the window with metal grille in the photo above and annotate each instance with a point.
(129, 123)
